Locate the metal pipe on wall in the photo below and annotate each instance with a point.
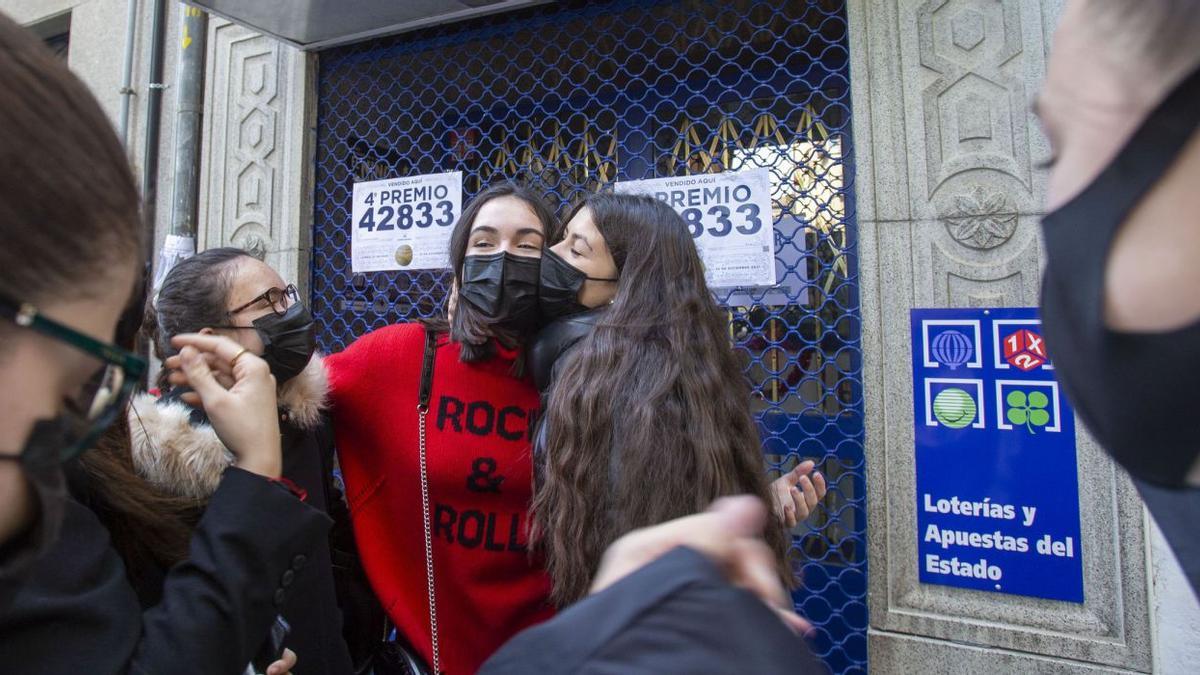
(189, 118)
(150, 150)
(153, 118)
(127, 68)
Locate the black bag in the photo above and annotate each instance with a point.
(365, 626)
(396, 657)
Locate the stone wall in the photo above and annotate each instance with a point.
(256, 181)
(950, 197)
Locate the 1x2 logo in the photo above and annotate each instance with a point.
(1025, 350)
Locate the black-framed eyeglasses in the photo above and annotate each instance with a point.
(103, 397)
(278, 298)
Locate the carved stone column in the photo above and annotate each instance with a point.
(949, 199)
(256, 183)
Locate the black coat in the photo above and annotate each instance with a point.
(316, 613)
(178, 451)
(77, 613)
(675, 615)
(555, 340)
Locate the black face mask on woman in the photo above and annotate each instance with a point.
(1139, 393)
(41, 461)
(290, 340)
(504, 287)
(558, 293)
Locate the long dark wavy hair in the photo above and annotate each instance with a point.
(649, 417)
(466, 324)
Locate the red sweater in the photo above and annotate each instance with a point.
(488, 587)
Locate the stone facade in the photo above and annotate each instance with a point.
(950, 198)
(256, 181)
(256, 186)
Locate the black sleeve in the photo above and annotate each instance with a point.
(76, 612)
(1176, 511)
(219, 604)
(675, 615)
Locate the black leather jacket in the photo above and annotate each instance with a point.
(555, 340)
(546, 354)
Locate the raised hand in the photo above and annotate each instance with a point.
(797, 493)
(729, 534)
(237, 391)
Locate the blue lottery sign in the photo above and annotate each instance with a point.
(997, 481)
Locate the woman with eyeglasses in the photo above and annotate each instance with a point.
(177, 459)
(69, 259)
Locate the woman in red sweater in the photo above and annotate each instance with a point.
(441, 524)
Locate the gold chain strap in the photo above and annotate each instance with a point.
(433, 622)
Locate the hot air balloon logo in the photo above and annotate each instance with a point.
(952, 348)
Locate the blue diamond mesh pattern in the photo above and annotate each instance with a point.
(574, 95)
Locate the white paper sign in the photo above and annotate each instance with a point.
(175, 248)
(404, 223)
(729, 216)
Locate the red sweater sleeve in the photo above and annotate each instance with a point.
(364, 365)
(361, 376)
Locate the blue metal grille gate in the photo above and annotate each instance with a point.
(575, 95)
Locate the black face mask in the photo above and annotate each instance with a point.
(290, 340)
(41, 460)
(1137, 392)
(558, 294)
(504, 287)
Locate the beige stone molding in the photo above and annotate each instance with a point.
(949, 200)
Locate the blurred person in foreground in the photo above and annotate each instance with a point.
(1121, 295)
(71, 254)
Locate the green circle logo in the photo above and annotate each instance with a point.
(954, 408)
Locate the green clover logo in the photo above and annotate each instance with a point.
(1028, 410)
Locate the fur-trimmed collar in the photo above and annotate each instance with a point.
(306, 396)
(188, 460)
